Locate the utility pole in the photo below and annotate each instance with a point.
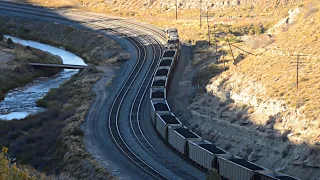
(224, 62)
(176, 9)
(208, 25)
(297, 64)
(216, 41)
(231, 51)
(209, 35)
(200, 12)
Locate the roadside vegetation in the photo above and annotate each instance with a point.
(265, 77)
(14, 68)
(94, 48)
(52, 141)
(10, 170)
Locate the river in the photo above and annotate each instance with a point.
(21, 102)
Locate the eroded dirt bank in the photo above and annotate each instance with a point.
(253, 109)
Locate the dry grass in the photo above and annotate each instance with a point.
(92, 47)
(15, 73)
(162, 14)
(279, 76)
(272, 69)
(56, 132)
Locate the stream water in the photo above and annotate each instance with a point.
(21, 102)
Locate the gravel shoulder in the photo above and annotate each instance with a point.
(99, 142)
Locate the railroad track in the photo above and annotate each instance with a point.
(114, 116)
(139, 135)
(136, 106)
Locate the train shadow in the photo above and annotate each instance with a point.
(235, 128)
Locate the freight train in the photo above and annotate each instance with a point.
(186, 142)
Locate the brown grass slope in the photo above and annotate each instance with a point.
(274, 71)
(161, 13)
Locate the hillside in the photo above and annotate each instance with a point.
(164, 5)
(51, 141)
(255, 110)
(161, 13)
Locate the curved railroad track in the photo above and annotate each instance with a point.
(115, 109)
(117, 103)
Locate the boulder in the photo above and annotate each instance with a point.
(124, 57)
(9, 41)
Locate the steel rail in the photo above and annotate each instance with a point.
(138, 132)
(139, 135)
(120, 142)
(114, 116)
(114, 113)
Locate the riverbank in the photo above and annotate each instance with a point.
(14, 68)
(55, 136)
(94, 48)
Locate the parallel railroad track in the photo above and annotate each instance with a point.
(114, 116)
(139, 135)
(136, 106)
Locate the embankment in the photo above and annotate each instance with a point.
(14, 68)
(52, 141)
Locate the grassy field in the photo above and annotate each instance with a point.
(16, 73)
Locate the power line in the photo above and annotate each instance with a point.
(242, 49)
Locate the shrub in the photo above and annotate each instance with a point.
(213, 175)
(284, 136)
(314, 150)
(228, 146)
(233, 120)
(205, 74)
(10, 170)
(239, 115)
(42, 103)
(286, 150)
(250, 110)
(77, 132)
(9, 41)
